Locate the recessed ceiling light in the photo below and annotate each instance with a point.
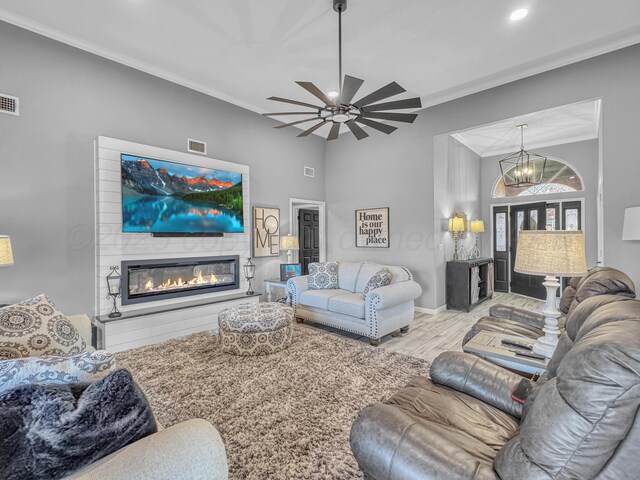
(333, 94)
(519, 14)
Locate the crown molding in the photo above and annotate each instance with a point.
(596, 48)
(131, 62)
(608, 44)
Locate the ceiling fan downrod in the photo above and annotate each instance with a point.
(340, 6)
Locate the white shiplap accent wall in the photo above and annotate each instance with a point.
(113, 246)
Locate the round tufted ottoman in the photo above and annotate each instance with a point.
(255, 328)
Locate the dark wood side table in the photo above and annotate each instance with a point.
(469, 282)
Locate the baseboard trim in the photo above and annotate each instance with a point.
(431, 311)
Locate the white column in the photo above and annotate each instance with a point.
(546, 345)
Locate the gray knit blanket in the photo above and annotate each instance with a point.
(50, 431)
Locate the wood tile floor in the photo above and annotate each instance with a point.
(430, 335)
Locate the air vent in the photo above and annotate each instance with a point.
(9, 104)
(196, 146)
(309, 172)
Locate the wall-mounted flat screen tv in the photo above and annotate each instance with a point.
(167, 197)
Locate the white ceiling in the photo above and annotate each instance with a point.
(243, 51)
(555, 126)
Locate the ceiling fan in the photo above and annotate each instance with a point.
(342, 110)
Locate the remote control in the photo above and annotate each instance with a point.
(529, 355)
(514, 343)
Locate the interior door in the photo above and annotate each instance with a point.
(526, 217)
(309, 235)
(501, 248)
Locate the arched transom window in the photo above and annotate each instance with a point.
(558, 178)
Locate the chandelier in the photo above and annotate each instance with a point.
(523, 168)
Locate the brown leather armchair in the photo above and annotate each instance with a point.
(524, 323)
(579, 421)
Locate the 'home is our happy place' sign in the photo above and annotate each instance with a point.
(372, 228)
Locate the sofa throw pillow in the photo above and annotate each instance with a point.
(323, 276)
(49, 431)
(35, 328)
(380, 279)
(84, 367)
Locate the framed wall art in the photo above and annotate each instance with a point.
(266, 232)
(372, 228)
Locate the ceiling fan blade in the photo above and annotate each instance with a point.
(399, 104)
(385, 92)
(395, 117)
(312, 129)
(275, 114)
(313, 90)
(381, 127)
(350, 87)
(357, 131)
(295, 123)
(293, 102)
(335, 131)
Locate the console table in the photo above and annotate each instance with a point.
(469, 282)
(488, 345)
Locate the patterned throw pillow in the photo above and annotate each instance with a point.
(34, 328)
(81, 368)
(380, 279)
(323, 276)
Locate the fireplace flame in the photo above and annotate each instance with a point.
(169, 283)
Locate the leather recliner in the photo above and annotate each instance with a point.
(579, 422)
(524, 323)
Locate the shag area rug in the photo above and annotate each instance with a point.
(281, 416)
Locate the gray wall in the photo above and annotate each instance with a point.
(460, 192)
(399, 171)
(584, 158)
(383, 171)
(68, 98)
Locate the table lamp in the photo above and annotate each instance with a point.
(6, 254)
(631, 228)
(289, 243)
(550, 254)
(456, 225)
(477, 226)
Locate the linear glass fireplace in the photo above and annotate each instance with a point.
(150, 280)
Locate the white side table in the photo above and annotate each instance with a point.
(488, 345)
(275, 282)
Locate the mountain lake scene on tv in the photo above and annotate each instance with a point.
(160, 196)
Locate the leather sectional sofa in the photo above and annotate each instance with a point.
(524, 323)
(580, 420)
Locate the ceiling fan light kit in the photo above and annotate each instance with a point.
(340, 108)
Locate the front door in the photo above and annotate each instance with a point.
(309, 233)
(526, 217)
